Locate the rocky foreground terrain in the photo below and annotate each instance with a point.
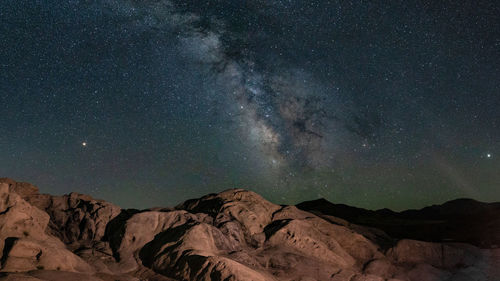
(233, 235)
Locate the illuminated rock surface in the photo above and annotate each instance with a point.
(233, 235)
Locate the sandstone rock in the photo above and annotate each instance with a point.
(76, 217)
(381, 267)
(233, 235)
(308, 241)
(135, 235)
(197, 251)
(356, 245)
(23, 241)
(287, 265)
(23, 189)
(435, 254)
(248, 208)
(343, 274)
(50, 254)
(17, 217)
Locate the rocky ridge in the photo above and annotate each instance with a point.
(461, 220)
(232, 235)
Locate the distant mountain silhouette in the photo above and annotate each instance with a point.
(460, 220)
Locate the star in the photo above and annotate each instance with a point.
(297, 105)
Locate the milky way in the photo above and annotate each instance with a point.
(373, 105)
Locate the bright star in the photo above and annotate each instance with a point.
(84, 144)
(488, 155)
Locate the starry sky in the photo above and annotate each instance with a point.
(149, 103)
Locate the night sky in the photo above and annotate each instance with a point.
(149, 103)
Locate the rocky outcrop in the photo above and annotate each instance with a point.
(76, 218)
(24, 243)
(134, 235)
(235, 235)
(23, 189)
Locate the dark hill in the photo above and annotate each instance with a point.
(460, 220)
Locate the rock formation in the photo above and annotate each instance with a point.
(233, 235)
(24, 243)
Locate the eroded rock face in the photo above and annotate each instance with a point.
(76, 217)
(23, 242)
(248, 208)
(72, 218)
(234, 235)
(135, 234)
(198, 251)
(23, 189)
